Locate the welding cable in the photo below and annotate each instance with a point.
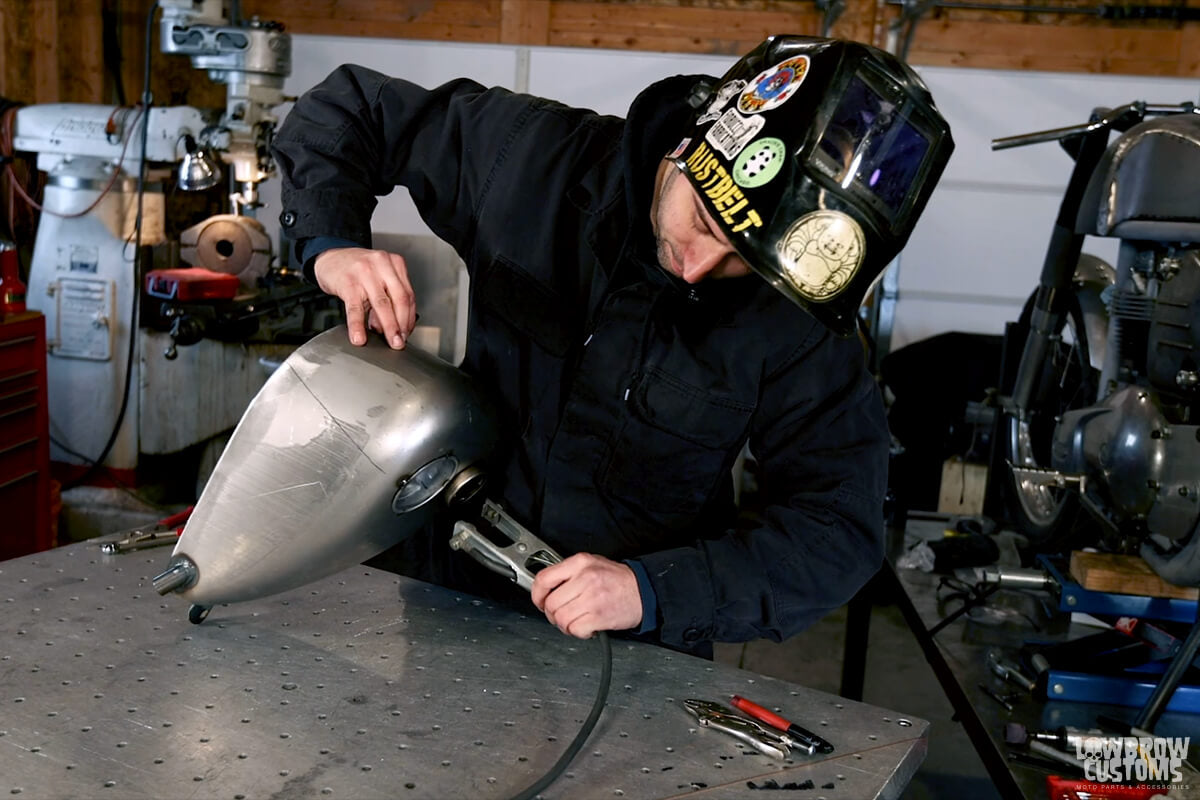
(585, 731)
(16, 184)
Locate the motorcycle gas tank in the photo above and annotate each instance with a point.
(337, 458)
(1147, 185)
(1143, 466)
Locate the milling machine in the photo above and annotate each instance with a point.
(118, 385)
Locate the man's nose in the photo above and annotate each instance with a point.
(701, 259)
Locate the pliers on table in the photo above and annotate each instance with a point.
(720, 718)
(165, 531)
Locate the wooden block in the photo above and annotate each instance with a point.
(1107, 572)
(963, 487)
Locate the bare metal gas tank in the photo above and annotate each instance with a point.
(344, 452)
(1147, 185)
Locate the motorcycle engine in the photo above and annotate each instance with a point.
(1138, 448)
(1173, 337)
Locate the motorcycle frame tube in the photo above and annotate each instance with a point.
(1058, 268)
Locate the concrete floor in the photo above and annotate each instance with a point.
(897, 678)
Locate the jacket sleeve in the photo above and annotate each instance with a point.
(359, 134)
(820, 438)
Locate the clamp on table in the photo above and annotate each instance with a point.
(720, 718)
(518, 561)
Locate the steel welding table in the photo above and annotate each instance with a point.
(369, 685)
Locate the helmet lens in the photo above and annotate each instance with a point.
(871, 148)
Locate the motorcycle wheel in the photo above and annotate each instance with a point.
(1047, 515)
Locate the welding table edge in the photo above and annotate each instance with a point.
(908, 753)
(985, 744)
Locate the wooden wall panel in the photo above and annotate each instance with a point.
(1047, 47)
(525, 22)
(450, 20)
(1055, 42)
(671, 28)
(53, 50)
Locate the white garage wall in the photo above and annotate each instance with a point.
(977, 252)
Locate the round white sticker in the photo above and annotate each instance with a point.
(759, 163)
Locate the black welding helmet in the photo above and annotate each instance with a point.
(816, 157)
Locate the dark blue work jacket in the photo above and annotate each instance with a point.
(626, 397)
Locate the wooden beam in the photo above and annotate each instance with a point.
(43, 60)
(1050, 47)
(525, 22)
(684, 29)
(78, 51)
(51, 50)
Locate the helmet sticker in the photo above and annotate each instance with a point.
(724, 95)
(820, 254)
(679, 148)
(715, 182)
(759, 163)
(773, 86)
(732, 132)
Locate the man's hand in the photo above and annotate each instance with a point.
(588, 593)
(374, 286)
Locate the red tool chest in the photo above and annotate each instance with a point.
(25, 525)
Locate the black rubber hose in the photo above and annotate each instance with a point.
(588, 724)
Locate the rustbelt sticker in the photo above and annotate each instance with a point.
(719, 187)
(774, 85)
(821, 253)
(724, 95)
(732, 131)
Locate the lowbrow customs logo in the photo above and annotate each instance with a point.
(821, 253)
(1154, 760)
(773, 86)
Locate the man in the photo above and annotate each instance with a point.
(616, 320)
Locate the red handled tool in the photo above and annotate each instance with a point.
(806, 738)
(1059, 788)
(165, 531)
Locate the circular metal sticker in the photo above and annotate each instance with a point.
(759, 162)
(821, 253)
(773, 86)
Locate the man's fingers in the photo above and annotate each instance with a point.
(400, 291)
(375, 289)
(385, 312)
(547, 580)
(356, 318)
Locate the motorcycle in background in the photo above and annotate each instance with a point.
(1104, 410)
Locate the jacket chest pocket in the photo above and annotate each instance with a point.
(675, 444)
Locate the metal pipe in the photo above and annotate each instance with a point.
(180, 575)
(1147, 718)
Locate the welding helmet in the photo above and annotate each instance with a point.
(816, 157)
